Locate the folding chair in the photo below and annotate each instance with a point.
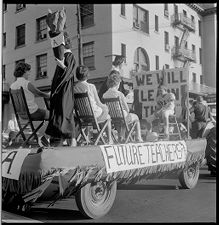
(118, 118)
(174, 129)
(86, 118)
(47, 103)
(23, 116)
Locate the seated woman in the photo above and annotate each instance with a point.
(113, 83)
(117, 65)
(100, 109)
(22, 73)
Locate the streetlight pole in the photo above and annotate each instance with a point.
(80, 60)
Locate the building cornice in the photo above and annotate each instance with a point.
(209, 11)
(200, 10)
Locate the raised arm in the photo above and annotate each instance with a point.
(36, 91)
(96, 96)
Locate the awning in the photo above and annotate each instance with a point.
(201, 89)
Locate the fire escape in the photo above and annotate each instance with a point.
(179, 51)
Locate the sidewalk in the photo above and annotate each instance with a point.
(7, 217)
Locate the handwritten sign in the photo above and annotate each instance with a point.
(12, 161)
(139, 155)
(145, 85)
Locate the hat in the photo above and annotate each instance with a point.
(68, 42)
(119, 59)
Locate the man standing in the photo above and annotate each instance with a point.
(202, 116)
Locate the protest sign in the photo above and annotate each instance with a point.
(145, 85)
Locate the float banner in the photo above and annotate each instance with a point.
(145, 85)
(139, 155)
(12, 162)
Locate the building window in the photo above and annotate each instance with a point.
(88, 55)
(201, 79)
(166, 12)
(200, 55)
(176, 42)
(123, 9)
(193, 48)
(4, 39)
(157, 62)
(20, 7)
(167, 66)
(193, 19)
(4, 7)
(186, 45)
(41, 28)
(18, 61)
(20, 35)
(41, 66)
(141, 60)
(156, 23)
(166, 41)
(141, 19)
(199, 28)
(3, 72)
(175, 9)
(194, 77)
(184, 13)
(123, 51)
(87, 15)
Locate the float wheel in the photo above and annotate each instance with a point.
(210, 152)
(188, 178)
(95, 199)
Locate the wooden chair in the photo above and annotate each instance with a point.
(47, 103)
(86, 118)
(23, 116)
(118, 118)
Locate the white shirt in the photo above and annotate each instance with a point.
(22, 82)
(84, 86)
(114, 93)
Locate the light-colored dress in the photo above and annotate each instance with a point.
(84, 86)
(22, 82)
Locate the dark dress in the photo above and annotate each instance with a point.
(202, 113)
(61, 119)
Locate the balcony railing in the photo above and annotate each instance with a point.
(183, 54)
(180, 18)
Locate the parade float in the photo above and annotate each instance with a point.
(91, 173)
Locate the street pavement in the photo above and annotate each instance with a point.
(148, 201)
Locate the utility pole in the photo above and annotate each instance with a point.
(80, 60)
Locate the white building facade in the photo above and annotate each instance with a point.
(150, 36)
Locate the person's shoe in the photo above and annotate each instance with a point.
(43, 142)
(121, 140)
(73, 142)
(110, 142)
(139, 140)
(166, 137)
